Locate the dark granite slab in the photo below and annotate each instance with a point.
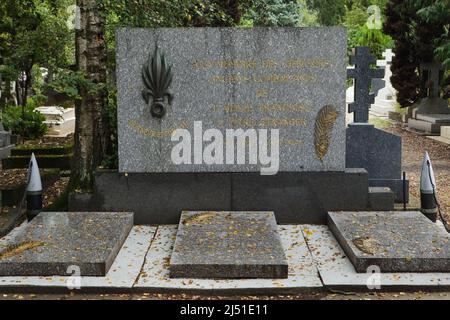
(380, 153)
(53, 241)
(228, 245)
(295, 197)
(395, 241)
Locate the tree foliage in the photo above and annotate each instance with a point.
(34, 32)
(438, 13)
(273, 13)
(418, 38)
(329, 12)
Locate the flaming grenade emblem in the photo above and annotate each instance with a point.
(157, 77)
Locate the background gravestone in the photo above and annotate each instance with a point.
(5, 142)
(431, 112)
(379, 152)
(363, 75)
(385, 99)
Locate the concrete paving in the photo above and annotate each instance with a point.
(122, 273)
(337, 272)
(302, 274)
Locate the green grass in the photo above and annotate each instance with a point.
(380, 123)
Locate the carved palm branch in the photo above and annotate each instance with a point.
(326, 117)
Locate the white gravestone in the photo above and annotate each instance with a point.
(386, 98)
(60, 121)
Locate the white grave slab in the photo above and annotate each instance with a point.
(60, 121)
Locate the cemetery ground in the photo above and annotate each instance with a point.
(14, 180)
(413, 149)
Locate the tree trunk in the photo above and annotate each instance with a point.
(91, 126)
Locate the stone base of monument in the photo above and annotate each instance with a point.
(433, 106)
(315, 258)
(445, 135)
(228, 245)
(404, 241)
(381, 198)
(295, 197)
(429, 123)
(65, 243)
(380, 153)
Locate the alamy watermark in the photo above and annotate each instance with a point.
(373, 281)
(374, 20)
(74, 20)
(238, 146)
(74, 280)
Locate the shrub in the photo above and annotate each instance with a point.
(24, 121)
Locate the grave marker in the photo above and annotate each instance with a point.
(362, 73)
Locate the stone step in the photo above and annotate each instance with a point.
(392, 241)
(54, 242)
(445, 132)
(228, 245)
(381, 198)
(424, 126)
(434, 118)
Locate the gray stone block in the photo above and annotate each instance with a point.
(5, 143)
(54, 241)
(381, 198)
(396, 185)
(5, 151)
(156, 198)
(380, 153)
(229, 78)
(301, 197)
(425, 126)
(394, 241)
(228, 245)
(295, 197)
(434, 118)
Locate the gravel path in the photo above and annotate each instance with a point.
(414, 147)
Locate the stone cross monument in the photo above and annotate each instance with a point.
(432, 103)
(433, 69)
(362, 73)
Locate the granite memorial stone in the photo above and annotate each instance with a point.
(192, 87)
(377, 151)
(54, 241)
(395, 241)
(363, 74)
(225, 79)
(228, 245)
(431, 112)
